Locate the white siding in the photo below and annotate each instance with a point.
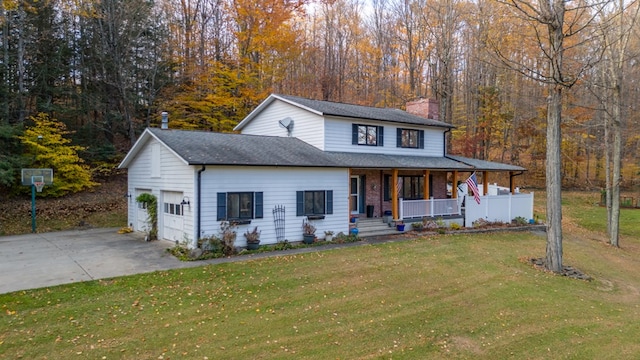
(338, 138)
(279, 186)
(307, 126)
(175, 176)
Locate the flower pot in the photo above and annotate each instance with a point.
(253, 245)
(400, 227)
(328, 237)
(308, 238)
(354, 231)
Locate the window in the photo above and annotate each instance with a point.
(314, 203)
(412, 187)
(173, 209)
(410, 138)
(239, 206)
(369, 135)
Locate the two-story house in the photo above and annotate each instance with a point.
(317, 160)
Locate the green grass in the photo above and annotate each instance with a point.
(441, 297)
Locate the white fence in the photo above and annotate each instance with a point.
(428, 208)
(503, 208)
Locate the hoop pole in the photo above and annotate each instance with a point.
(33, 208)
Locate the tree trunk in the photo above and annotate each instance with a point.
(553, 181)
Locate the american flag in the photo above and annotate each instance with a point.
(473, 186)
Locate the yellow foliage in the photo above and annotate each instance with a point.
(46, 147)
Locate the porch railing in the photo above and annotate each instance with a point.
(428, 208)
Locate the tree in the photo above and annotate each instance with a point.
(616, 30)
(46, 147)
(555, 26)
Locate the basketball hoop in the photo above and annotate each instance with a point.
(39, 185)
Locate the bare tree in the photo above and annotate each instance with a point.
(616, 27)
(554, 24)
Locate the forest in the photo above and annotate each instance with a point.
(90, 75)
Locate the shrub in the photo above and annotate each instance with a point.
(519, 220)
(429, 224)
(228, 236)
(150, 202)
(455, 226)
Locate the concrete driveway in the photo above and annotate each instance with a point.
(48, 259)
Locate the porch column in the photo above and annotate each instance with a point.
(454, 185)
(394, 194)
(485, 183)
(512, 185)
(426, 185)
(349, 199)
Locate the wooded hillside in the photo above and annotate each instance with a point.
(107, 68)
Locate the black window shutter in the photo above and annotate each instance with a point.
(329, 201)
(354, 134)
(299, 203)
(399, 138)
(222, 206)
(258, 205)
(421, 139)
(380, 135)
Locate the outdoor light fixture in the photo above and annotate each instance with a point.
(185, 201)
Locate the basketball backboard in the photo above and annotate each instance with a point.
(31, 175)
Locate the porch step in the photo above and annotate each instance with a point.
(368, 227)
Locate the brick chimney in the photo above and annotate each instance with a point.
(427, 108)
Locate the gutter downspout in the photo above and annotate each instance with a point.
(199, 207)
(444, 142)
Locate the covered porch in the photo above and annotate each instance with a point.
(424, 194)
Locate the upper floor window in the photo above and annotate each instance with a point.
(239, 206)
(410, 138)
(370, 135)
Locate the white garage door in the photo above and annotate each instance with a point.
(142, 216)
(172, 219)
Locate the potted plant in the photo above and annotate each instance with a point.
(308, 232)
(400, 225)
(253, 238)
(328, 235)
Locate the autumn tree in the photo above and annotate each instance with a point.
(45, 146)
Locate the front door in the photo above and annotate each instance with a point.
(354, 198)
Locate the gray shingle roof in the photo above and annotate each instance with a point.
(209, 148)
(363, 112)
(486, 165)
(358, 160)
